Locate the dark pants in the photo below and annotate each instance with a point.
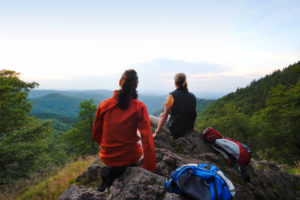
(109, 174)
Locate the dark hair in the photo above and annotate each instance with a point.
(129, 82)
(180, 80)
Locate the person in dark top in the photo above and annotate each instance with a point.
(181, 107)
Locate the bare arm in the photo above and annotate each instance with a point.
(163, 118)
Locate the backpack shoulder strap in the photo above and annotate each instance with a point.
(222, 152)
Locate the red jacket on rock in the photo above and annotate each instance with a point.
(115, 130)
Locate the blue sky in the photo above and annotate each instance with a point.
(220, 45)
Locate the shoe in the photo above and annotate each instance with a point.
(102, 187)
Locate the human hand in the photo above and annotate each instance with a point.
(154, 134)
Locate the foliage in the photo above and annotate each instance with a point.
(283, 115)
(26, 144)
(56, 103)
(48, 186)
(79, 140)
(13, 102)
(55, 185)
(202, 103)
(31, 146)
(59, 123)
(265, 115)
(295, 170)
(234, 123)
(21, 150)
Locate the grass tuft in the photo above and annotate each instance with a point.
(54, 186)
(295, 170)
(41, 188)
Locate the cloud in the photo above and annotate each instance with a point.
(220, 82)
(158, 76)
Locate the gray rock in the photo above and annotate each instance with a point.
(137, 183)
(90, 175)
(268, 180)
(81, 193)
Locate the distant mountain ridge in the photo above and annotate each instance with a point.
(82, 94)
(56, 103)
(65, 102)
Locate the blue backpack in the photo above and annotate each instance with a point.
(202, 182)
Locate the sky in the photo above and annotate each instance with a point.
(220, 45)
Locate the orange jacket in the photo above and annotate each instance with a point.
(116, 132)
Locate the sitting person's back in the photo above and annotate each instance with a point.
(119, 141)
(115, 130)
(181, 105)
(183, 113)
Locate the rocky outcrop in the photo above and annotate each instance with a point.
(135, 183)
(268, 180)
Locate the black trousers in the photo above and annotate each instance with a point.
(109, 174)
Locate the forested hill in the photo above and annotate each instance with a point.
(66, 102)
(265, 115)
(254, 97)
(55, 103)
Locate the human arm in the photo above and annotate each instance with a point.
(163, 118)
(147, 139)
(98, 127)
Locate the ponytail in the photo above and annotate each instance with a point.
(185, 86)
(180, 81)
(128, 81)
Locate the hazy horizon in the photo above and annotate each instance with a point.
(198, 94)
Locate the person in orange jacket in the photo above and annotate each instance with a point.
(115, 129)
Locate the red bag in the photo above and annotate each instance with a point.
(211, 134)
(244, 154)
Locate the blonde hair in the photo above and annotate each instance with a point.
(180, 81)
